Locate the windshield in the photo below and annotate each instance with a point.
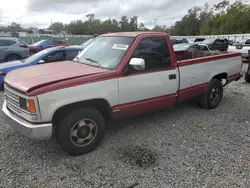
(105, 52)
(34, 57)
(181, 47)
(38, 43)
(86, 43)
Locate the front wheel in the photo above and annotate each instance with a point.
(12, 57)
(212, 98)
(80, 131)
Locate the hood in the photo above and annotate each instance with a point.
(10, 64)
(29, 78)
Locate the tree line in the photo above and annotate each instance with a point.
(222, 18)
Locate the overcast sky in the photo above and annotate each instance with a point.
(38, 13)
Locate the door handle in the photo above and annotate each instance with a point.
(172, 76)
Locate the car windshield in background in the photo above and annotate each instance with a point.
(105, 52)
(86, 43)
(181, 47)
(34, 57)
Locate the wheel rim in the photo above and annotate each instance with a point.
(83, 132)
(215, 94)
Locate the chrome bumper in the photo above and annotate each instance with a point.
(32, 131)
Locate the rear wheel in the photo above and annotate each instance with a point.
(247, 77)
(12, 57)
(80, 131)
(212, 98)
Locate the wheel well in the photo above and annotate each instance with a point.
(220, 76)
(100, 104)
(12, 54)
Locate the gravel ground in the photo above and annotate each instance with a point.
(185, 146)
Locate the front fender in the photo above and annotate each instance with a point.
(52, 101)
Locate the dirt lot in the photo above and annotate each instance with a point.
(185, 146)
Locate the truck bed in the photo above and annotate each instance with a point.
(185, 55)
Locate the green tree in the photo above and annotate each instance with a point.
(56, 27)
(14, 27)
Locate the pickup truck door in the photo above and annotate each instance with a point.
(153, 88)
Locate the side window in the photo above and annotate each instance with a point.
(203, 48)
(194, 48)
(70, 54)
(2, 43)
(155, 53)
(56, 56)
(247, 42)
(9, 42)
(185, 40)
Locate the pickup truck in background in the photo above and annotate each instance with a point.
(242, 47)
(118, 75)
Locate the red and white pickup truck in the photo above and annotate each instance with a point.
(118, 75)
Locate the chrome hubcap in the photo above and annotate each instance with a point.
(83, 132)
(215, 94)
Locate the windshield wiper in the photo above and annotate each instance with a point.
(94, 61)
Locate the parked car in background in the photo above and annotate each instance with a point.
(192, 50)
(118, 75)
(45, 56)
(243, 47)
(218, 44)
(177, 40)
(15, 35)
(192, 40)
(43, 44)
(12, 49)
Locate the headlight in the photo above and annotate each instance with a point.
(27, 105)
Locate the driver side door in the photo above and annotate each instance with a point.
(154, 87)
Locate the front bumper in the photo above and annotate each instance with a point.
(32, 131)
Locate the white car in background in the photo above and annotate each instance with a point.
(242, 46)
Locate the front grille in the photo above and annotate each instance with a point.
(12, 101)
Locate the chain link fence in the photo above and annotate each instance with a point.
(71, 40)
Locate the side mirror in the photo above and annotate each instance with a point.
(41, 61)
(137, 63)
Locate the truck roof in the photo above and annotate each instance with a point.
(130, 34)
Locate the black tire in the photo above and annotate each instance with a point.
(12, 57)
(247, 77)
(65, 127)
(207, 101)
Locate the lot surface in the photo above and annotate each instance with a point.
(185, 146)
